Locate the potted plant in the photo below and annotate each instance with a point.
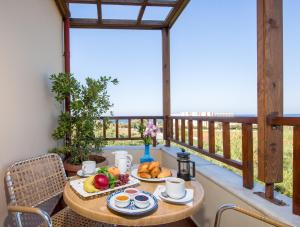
(80, 127)
(149, 133)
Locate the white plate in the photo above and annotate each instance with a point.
(186, 199)
(77, 185)
(134, 173)
(81, 174)
(131, 209)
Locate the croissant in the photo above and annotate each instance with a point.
(144, 168)
(144, 175)
(164, 173)
(153, 165)
(154, 173)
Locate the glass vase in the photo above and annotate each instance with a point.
(147, 156)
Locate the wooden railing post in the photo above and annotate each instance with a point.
(117, 128)
(190, 130)
(182, 130)
(200, 134)
(247, 155)
(270, 92)
(296, 171)
(211, 137)
(176, 130)
(129, 128)
(154, 139)
(104, 129)
(226, 139)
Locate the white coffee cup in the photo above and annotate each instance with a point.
(88, 167)
(122, 165)
(123, 154)
(175, 187)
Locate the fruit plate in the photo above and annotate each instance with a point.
(134, 173)
(131, 209)
(77, 186)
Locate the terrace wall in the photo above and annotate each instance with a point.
(30, 49)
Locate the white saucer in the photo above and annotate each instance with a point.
(189, 195)
(80, 173)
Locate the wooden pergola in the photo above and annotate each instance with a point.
(270, 117)
(177, 6)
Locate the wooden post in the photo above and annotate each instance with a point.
(166, 83)
(176, 130)
(190, 131)
(154, 139)
(270, 92)
(226, 139)
(67, 68)
(296, 171)
(117, 128)
(129, 128)
(182, 130)
(67, 56)
(211, 137)
(200, 134)
(247, 155)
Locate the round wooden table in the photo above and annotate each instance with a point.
(97, 210)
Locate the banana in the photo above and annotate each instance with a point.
(88, 185)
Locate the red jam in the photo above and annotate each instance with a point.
(141, 198)
(131, 191)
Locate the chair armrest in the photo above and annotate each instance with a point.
(31, 210)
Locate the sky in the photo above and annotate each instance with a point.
(213, 58)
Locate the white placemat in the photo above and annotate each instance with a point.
(161, 188)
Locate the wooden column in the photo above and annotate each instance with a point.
(166, 83)
(67, 67)
(270, 92)
(67, 56)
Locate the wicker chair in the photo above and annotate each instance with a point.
(35, 187)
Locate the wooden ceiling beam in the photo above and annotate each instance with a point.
(175, 12)
(128, 2)
(142, 11)
(115, 24)
(63, 8)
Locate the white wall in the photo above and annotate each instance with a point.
(30, 50)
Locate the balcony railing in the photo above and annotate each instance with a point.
(129, 119)
(182, 130)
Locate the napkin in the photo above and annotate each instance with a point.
(161, 188)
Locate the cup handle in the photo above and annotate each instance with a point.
(83, 169)
(129, 160)
(194, 169)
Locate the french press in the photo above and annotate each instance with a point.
(184, 168)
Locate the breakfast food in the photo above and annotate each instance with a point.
(164, 173)
(105, 179)
(114, 171)
(88, 185)
(150, 170)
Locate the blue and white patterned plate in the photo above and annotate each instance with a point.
(131, 209)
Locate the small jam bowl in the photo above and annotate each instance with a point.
(122, 200)
(141, 201)
(131, 192)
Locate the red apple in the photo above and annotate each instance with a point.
(101, 181)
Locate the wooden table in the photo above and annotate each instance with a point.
(97, 210)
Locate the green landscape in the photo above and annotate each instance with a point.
(236, 147)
